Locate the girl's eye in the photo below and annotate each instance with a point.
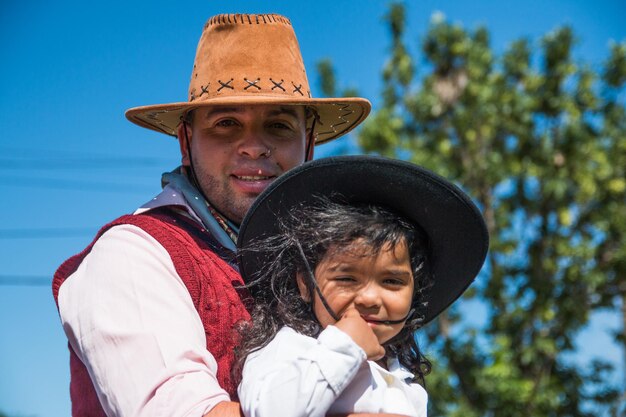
(394, 282)
(345, 279)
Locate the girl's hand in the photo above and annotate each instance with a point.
(354, 326)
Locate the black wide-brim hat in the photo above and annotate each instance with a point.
(458, 238)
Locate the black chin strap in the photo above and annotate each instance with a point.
(311, 277)
(312, 280)
(311, 141)
(402, 320)
(192, 171)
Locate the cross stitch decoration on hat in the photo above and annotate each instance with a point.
(247, 59)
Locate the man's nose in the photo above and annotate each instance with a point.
(252, 145)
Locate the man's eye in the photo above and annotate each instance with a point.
(280, 125)
(226, 123)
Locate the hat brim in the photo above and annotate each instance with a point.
(456, 230)
(336, 117)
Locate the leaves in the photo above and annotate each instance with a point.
(539, 141)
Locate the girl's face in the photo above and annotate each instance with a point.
(380, 286)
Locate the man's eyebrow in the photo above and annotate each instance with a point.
(221, 110)
(290, 110)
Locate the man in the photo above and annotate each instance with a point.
(149, 307)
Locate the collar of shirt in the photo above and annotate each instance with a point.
(396, 369)
(178, 191)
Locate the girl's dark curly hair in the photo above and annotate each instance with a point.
(316, 228)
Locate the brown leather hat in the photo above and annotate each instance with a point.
(246, 59)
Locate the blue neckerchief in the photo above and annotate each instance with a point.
(196, 202)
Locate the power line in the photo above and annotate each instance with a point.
(77, 154)
(74, 163)
(26, 280)
(94, 186)
(46, 233)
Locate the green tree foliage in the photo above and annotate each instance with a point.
(539, 140)
(328, 83)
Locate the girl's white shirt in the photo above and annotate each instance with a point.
(296, 375)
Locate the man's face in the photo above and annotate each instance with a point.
(237, 151)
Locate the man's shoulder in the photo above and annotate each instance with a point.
(144, 226)
(155, 233)
(165, 220)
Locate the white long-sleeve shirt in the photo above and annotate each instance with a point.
(131, 320)
(296, 375)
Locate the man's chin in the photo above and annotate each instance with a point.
(241, 208)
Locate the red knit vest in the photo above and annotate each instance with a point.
(208, 278)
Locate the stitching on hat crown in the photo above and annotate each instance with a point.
(278, 84)
(258, 84)
(225, 84)
(249, 19)
(297, 89)
(252, 83)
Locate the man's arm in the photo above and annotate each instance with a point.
(225, 409)
(232, 409)
(367, 415)
(130, 319)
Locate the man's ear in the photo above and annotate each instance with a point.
(304, 291)
(182, 142)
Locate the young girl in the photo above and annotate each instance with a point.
(347, 257)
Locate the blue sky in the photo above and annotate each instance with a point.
(71, 162)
